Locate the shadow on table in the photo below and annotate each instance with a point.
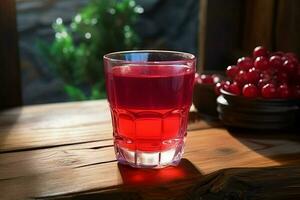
(281, 146)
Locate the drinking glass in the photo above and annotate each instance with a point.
(150, 94)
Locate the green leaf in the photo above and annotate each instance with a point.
(75, 93)
(76, 52)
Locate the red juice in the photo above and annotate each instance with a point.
(149, 106)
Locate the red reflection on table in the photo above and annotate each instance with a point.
(134, 176)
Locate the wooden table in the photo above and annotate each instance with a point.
(65, 150)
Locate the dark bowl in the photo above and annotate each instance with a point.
(204, 99)
(258, 113)
(257, 102)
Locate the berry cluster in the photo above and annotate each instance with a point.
(265, 74)
(206, 79)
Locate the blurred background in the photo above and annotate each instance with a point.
(52, 49)
(62, 41)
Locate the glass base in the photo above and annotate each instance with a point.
(141, 159)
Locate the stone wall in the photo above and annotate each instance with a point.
(165, 24)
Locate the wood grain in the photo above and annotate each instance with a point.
(206, 149)
(73, 158)
(76, 169)
(249, 183)
(54, 125)
(233, 183)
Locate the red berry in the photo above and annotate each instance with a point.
(216, 78)
(245, 63)
(275, 62)
(234, 89)
(232, 71)
(284, 58)
(241, 77)
(289, 66)
(267, 74)
(261, 63)
(226, 86)
(269, 91)
(250, 90)
(283, 91)
(293, 57)
(252, 76)
(260, 51)
(282, 77)
(206, 79)
(218, 87)
(261, 83)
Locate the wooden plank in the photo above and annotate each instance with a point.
(259, 24)
(237, 183)
(93, 178)
(54, 124)
(42, 126)
(79, 169)
(220, 33)
(47, 160)
(10, 78)
(288, 26)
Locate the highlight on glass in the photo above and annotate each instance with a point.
(150, 94)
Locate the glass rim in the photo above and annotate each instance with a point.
(186, 57)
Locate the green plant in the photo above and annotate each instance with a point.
(76, 52)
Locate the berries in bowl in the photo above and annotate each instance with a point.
(262, 91)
